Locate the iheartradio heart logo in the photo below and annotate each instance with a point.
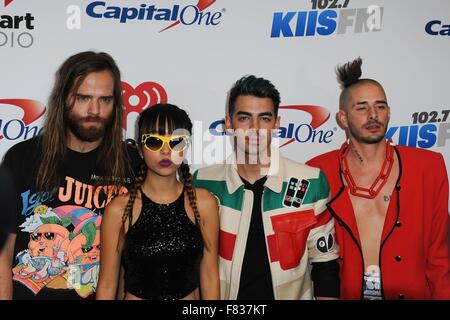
(140, 98)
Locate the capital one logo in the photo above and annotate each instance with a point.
(176, 14)
(299, 132)
(14, 129)
(201, 6)
(140, 98)
(306, 132)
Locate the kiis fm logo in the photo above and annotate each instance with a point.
(428, 129)
(302, 133)
(16, 129)
(326, 17)
(177, 14)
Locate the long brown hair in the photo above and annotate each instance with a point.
(112, 156)
(162, 119)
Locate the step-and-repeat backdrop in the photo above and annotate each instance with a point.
(189, 53)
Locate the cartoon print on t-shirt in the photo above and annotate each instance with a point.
(63, 250)
(46, 255)
(84, 256)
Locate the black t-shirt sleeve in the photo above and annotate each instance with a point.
(325, 276)
(18, 164)
(8, 198)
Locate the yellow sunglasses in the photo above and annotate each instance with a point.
(155, 142)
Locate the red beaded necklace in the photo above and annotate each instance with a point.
(379, 182)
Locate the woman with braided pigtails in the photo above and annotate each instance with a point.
(164, 231)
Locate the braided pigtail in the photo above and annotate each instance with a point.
(128, 212)
(186, 178)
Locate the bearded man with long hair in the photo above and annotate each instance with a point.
(62, 179)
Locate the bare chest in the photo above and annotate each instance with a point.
(370, 214)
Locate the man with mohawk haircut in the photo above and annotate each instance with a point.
(390, 203)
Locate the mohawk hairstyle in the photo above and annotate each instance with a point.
(349, 73)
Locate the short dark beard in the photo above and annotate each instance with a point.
(91, 134)
(367, 140)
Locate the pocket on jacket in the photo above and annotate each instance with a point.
(291, 234)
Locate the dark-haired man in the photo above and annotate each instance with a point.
(275, 232)
(61, 181)
(390, 203)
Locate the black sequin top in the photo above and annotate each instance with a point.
(162, 252)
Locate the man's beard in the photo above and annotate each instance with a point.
(356, 133)
(87, 134)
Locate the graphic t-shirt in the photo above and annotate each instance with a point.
(372, 283)
(57, 249)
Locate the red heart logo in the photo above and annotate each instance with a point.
(32, 109)
(148, 94)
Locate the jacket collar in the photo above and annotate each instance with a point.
(274, 180)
